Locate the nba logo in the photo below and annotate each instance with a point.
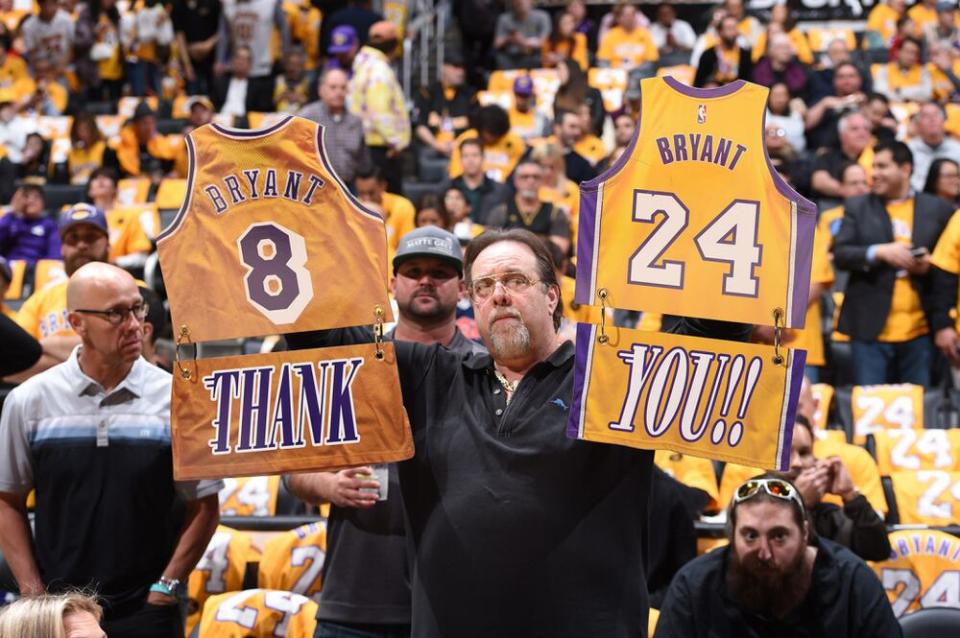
(701, 113)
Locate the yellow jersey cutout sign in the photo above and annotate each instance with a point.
(885, 407)
(692, 220)
(269, 240)
(923, 570)
(320, 409)
(717, 399)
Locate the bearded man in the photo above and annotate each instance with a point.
(774, 578)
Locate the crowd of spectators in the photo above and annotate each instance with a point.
(527, 104)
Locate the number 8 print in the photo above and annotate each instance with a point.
(277, 283)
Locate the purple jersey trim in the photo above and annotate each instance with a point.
(589, 212)
(260, 132)
(802, 238)
(798, 361)
(580, 372)
(322, 154)
(690, 91)
(185, 206)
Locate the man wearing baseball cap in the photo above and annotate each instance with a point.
(83, 239)
(525, 120)
(343, 48)
(365, 535)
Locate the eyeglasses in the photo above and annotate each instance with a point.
(778, 488)
(483, 287)
(116, 316)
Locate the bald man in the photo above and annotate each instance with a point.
(92, 436)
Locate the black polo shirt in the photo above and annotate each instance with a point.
(515, 529)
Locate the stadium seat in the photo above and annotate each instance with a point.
(56, 196)
(870, 445)
(841, 358)
(916, 449)
(415, 190)
(20, 284)
(842, 409)
(168, 126)
(863, 409)
(893, 513)
(932, 622)
(433, 169)
(170, 193)
(940, 410)
(100, 108)
(167, 215)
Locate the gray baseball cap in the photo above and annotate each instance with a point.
(430, 241)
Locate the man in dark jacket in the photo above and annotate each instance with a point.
(773, 580)
(727, 60)
(893, 301)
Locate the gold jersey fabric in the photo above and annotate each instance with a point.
(258, 613)
(319, 409)
(221, 569)
(885, 407)
(927, 497)
(250, 496)
(293, 561)
(710, 398)
(923, 570)
(269, 240)
(917, 449)
(692, 220)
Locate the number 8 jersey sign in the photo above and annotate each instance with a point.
(269, 240)
(692, 220)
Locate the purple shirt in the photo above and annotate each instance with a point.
(28, 239)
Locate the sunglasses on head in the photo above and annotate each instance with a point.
(777, 488)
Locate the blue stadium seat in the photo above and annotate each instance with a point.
(56, 196)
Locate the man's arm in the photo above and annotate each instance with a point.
(823, 183)
(280, 21)
(200, 522)
(16, 541)
(340, 488)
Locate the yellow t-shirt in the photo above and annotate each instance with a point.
(25, 87)
(578, 53)
(523, 124)
(883, 20)
(821, 272)
(499, 158)
(81, 162)
(592, 148)
(922, 16)
(898, 79)
(127, 233)
(400, 217)
(946, 255)
(12, 70)
(906, 319)
(44, 313)
(621, 49)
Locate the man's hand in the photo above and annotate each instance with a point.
(841, 484)
(897, 255)
(946, 340)
(444, 148)
(812, 484)
(921, 265)
(345, 486)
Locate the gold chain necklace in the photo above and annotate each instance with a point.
(508, 385)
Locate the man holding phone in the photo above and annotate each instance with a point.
(894, 301)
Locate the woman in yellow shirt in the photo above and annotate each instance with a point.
(88, 149)
(564, 42)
